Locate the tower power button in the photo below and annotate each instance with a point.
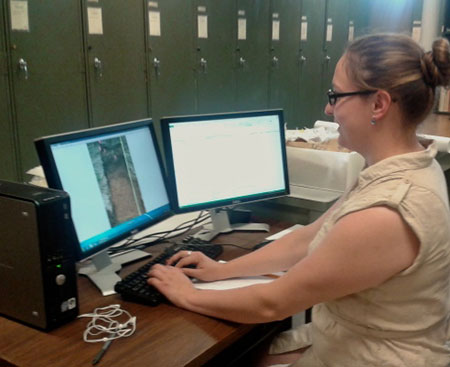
(60, 279)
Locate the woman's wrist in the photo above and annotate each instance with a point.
(222, 270)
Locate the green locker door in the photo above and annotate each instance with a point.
(336, 38)
(386, 16)
(312, 35)
(49, 93)
(284, 58)
(393, 16)
(415, 24)
(252, 54)
(170, 58)
(116, 61)
(8, 168)
(215, 44)
(359, 15)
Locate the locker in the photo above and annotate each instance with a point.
(285, 58)
(359, 17)
(8, 169)
(336, 38)
(170, 58)
(445, 18)
(116, 61)
(252, 54)
(48, 86)
(215, 38)
(310, 99)
(393, 16)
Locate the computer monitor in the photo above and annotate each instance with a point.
(117, 187)
(221, 160)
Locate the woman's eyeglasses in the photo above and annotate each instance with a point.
(333, 96)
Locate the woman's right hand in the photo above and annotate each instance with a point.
(196, 265)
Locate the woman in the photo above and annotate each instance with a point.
(376, 265)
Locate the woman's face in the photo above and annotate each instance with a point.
(352, 113)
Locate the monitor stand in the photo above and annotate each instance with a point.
(102, 268)
(221, 224)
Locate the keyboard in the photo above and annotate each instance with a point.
(134, 287)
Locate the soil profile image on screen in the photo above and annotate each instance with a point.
(116, 182)
(116, 177)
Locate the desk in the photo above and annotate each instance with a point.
(165, 336)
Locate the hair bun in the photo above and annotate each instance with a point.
(435, 64)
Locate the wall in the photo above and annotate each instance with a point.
(76, 64)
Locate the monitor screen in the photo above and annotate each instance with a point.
(114, 178)
(225, 159)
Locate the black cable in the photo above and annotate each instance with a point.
(234, 245)
(132, 240)
(165, 235)
(181, 227)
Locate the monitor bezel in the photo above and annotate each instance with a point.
(43, 148)
(172, 186)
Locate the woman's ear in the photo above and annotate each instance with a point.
(382, 102)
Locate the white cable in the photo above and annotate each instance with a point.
(104, 325)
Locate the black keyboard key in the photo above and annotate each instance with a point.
(134, 287)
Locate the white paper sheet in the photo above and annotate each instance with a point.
(154, 19)
(242, 29)
(233, 283)
(304, 31)
(202, 26)
(95, 21)
(275, 30)
(19, 15)
(282, 233)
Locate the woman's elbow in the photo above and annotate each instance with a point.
(272, 309)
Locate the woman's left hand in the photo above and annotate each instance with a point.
(171, 282)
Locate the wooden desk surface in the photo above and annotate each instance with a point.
(165, 336)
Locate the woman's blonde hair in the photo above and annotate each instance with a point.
(398, 65)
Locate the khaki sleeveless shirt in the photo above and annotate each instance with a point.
(404, 321)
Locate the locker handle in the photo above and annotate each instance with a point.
(23, 66)
(203, 64)
(156, 65)
(327, 58)
(302, 59)
(274, 61)
(98, 66)
(242, 61)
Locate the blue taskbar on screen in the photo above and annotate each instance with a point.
(125, 227)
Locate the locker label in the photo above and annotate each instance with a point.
(19, 15)
(202, 26)
(304, 30)
(154, 19)
(329, 36)
(95, 21)
(241, 13)
(416, 30)
(275, 30)
(351, 31)
(242, 28)
(152, 4)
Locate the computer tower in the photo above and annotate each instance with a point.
(37, 256)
